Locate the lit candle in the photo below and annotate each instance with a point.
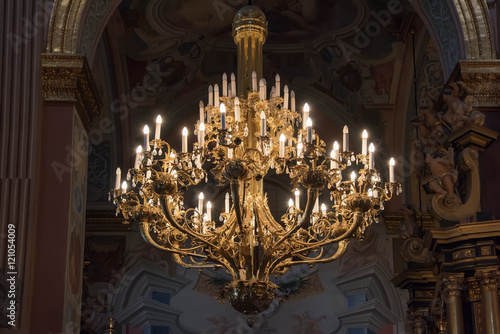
(254, 81)
(305, 116)
(229, 153)
(309, 124)
(236, 109)
(371, 150)
(353, 176)
(138, 153)
(124, 186)
(224, 84)
(201, 134)
(158, 127)
(233, 85)
(216, 96)
(285, 97)
(292, 101)
(290, 202)
(184, 140)
(392, 162)
(335, 155)
(226, 203)
(282, 145)
(210, 95)
(223, 116)
(146, 137)
(277, 84)
(263, 124)
(323, 208)
(345, 141)
(333, 164)
(200, 204)
(118, 178)
(297, 198)
(364, 142)
(209, 211)
(202, 112)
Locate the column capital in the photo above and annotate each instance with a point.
(473, 290)
(488, 279)
(453, 285)
(68, 78)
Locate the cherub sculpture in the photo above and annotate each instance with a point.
(444, 174)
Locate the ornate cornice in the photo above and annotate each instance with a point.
(68, 78)
(393, 221)
(482, 79)
(105, 220)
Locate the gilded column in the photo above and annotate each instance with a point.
(488, 284)
(452, 296)
(418, 321)
(474, 297)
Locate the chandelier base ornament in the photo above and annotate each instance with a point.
(240, 139)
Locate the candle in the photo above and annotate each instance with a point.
(229, 153)
(285, 97)
(202, 111)
(277, 83)
(216, 95)
(201, 134)
(124, 186)
(229, 93)
(138, 153)
(392, 162)
(226, 203)
(254, 81)
(118, 178)
(233, 85)
(184, 140)
(323, 208)
(345, 141)
(297, 198)
(282, 145)
(209, 211)
(309, 124)
(146, 137)
(290, 202)
(299, 149)
(263, 124)
(305, 116)
(262, 89)
(265, 88)
(210, 95)
(364, 142)
(224, 84)
(200, 204)
(316, 205)
(148, 174)
(371, 150)
(292, 101)
(333, 164)
(273, 92)
(236, 109)
(223, 116)
(353, 176)
(158, 127)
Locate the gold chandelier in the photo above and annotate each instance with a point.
(241, 136)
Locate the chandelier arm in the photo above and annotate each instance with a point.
(308, 210)
(144, 229)
(340, 251)
(357, 221)
(168, 214)
(235, 193)
(179, 261)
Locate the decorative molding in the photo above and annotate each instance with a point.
(474, 135)
(393, 221)
(482, 79)
(64, 25)
(68, 78)
(453, 285)
(105, 220)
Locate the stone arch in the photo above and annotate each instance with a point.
(76, 26)
(461, 29)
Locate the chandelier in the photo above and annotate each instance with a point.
(242, 135)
